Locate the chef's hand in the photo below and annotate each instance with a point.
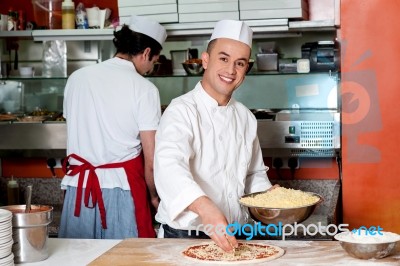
(155, 201)
(214, 220)
(273, 187)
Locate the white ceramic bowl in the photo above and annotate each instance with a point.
(26, 71)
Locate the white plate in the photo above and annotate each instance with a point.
(7, 260)
(7, 244)
(5, 252)
(5, 239)
(5, 228)
(5, 215)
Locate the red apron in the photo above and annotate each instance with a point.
(135, 173)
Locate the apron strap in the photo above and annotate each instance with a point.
(135, 172)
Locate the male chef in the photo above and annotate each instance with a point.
(112, 114)
(207, 151)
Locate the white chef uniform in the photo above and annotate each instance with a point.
(115, 107)
(206, 149)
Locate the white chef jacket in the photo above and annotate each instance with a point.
(106, 105)
(206, 149)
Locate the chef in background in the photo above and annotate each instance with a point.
(112, 114)
(207, 150)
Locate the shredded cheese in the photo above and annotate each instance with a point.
(280, 197)
(244, 252)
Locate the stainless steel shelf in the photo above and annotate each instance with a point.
(261, 28)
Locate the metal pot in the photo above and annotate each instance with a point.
(30, 232)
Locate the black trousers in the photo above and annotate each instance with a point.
(170, 232)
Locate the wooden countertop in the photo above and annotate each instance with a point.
(168, 252)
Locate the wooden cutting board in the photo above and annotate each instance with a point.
(142, 251)
(159, 251)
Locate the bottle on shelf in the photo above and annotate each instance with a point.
(13, 194)
(21, 20)
(68, 14)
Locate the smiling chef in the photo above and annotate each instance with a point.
(207, 151)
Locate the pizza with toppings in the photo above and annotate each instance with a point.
(245, 253)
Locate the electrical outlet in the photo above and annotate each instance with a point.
(58, 163)
(285, 162)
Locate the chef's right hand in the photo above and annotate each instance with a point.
(214, 221)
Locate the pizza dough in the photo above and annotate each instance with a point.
(245, 253)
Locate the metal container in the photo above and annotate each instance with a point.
(281, 215)
(267, 62)
(362, 245)
(30, 232)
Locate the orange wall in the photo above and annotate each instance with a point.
(37, 167)
(370, 42)
(27, 167)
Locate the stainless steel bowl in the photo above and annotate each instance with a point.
(193, 68)
(366, 251)
(283, 215)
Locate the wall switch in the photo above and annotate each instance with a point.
(57, 162)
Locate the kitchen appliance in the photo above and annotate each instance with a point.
(323, 55)
(267, 61)
(300, 134)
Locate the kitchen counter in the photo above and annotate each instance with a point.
(167, 252)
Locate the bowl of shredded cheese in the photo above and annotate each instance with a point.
(361, 244)
(281, 205)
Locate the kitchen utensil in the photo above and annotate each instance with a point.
(283, 215)
(178, 57)
(193, 67)
(93, 17)
(28, 198)
(267, 62)
(359, 244)
(30, 232)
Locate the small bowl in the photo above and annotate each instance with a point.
(193, 68)
(26, 71)
(281, 215)
(358, 246)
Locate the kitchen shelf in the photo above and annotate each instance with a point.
(255, 73)
(261, 28)
(22, 78)
(20, 34)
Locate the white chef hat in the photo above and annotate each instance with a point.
(233, 29)
(148, 27)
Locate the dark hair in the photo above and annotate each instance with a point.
(210, 46)
(130, 42)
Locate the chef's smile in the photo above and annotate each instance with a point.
(226, 79)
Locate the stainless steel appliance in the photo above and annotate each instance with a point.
(323, 55)
(300, 134)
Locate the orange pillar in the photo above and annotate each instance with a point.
(370, 44)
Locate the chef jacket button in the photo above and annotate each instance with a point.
(239, 136)
(214, 110)
(244, 164)
(220, 138)
(230, 195)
